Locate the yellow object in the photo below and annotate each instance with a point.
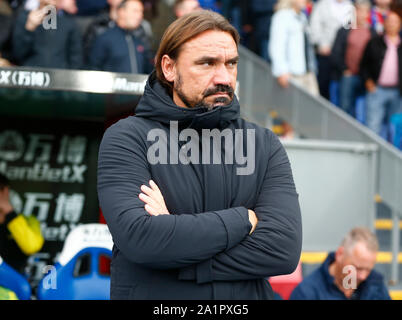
(395, 294)
(7, 294)
(319, 257)
(26, 233)
(385, 224)
(377, 198)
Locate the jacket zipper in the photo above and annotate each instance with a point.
(131, 53)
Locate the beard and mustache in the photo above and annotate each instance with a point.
(197, 103)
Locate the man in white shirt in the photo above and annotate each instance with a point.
(290, 50)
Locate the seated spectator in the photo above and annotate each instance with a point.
(378, 14)
(5, 33)
(120, 49)
(20, 236)
(346, 274)
(325, 20)
(36, 45)
(182, 7)
(346, 56)
(291, 53)
(381, 72)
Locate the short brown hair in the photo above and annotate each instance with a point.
(186, 28)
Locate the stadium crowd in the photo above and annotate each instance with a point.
(346, 51)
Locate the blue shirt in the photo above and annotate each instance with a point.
(320, 285)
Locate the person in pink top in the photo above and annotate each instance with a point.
(381, 70)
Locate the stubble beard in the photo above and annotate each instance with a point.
(192, 103)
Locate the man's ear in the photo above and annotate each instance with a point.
(339, 254)
(168, 68)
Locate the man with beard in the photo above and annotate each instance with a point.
(196, 230)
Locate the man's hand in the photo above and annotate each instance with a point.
(324, 50)
(35, 18)
(153, 199)
(253, 220)
(5, 205)
(370, 85)
(155, 204)
(283, 80)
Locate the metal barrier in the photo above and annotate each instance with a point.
(316, 118)
(336, 183)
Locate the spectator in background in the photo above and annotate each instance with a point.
(5, 33)
(104, 21)
(182, 7)
(378, 14)
(346, 274)
(325, 20)
(238, 13)
(381, 71)
(107, 20)
(346, 55)
(261, 14)
(120, 49)
(291, 52)
(35, 46)
(20, 236)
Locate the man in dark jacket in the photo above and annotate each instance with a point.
(201, 229)
(41, 40)
(346, 55)
(346, 274)
(123, 48)
(381, 72)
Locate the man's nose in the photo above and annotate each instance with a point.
(222, 75)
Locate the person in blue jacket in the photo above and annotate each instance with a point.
(346, 274)
(123, 48)
(188, 223)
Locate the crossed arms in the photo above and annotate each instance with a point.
(211, 246)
